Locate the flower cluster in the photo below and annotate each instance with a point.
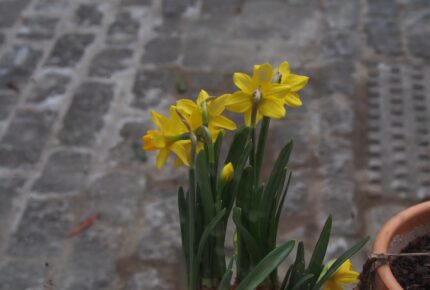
(264, 94)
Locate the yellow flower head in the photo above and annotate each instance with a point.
(294, 82)
(257, 90)
(343, 276)
(227, 172)
(171, 136)
(209, 108)
(268, 89)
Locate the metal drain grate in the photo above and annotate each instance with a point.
(398, 131)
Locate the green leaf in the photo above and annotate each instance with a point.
(226, 278)
(302, 281)
(298, 267)
(261, 144)
(286, 278)
(204, 239)
(280, 206)
(217, 149)
(237, 145)
(339, 261)
(266, 266)
(183, 218)
(251, 244)
(203, 181)
(317, 260)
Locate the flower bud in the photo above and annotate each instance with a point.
(227, 172)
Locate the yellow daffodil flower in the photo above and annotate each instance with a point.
(170, 138)
(212, 108)
(260, 91)
(294, 83)
(343, 276)
(227, 172)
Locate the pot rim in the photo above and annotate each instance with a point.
(385, 236)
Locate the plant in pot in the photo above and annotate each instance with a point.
(401, 252)
(194, 132)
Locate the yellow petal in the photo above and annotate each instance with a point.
(278, 91)
(273, 108)
(186, 105)
(284, 68)
(159, 120)
(217, 106)
(162, 158)
(181, 152)
(350, 277)
(331, 285)
(147, 143)
(222, 122)
(262, 74)
(295, 82)
(196, 119)
(239, 102)
(293, 100)
(203, 95)
(243, 82)
(227, 172)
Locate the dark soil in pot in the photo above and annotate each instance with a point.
(413, 272)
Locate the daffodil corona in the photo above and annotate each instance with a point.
(343, 276)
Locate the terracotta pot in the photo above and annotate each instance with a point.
(395, 235)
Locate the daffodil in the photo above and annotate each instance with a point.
(171, 137)
(258, 91)
(206, 111)
(294, 83)
(227, 172)
(343, 276)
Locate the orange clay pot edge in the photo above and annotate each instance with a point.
(399, 224)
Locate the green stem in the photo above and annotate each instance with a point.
(192, 281)
(261, 145)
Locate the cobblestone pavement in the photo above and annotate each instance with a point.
(77, 82)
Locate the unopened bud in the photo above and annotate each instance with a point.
(227, 172)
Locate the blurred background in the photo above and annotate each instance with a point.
(79, 78)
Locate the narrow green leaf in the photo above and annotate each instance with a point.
(317, 260)
(298, 267)
(183, 218)
(203, 181)
(204, 239)
(266, 266)
(281, 203)
(217, 149)
(302, 281)
(339, 261)
(286, 278)
(239, 142)
(226, 280)
(191, 228)
(251, 244)
(261, 145)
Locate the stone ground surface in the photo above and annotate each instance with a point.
(77, 82)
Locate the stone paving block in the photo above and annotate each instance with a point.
(222, 7)
(69, 49)
(10, 190)
(378, 216)
(2, 39)
(150, 87)
(51, 6)
(418, 35)
(384, 36)
(339, 44)
(382, 9)
(215, 83)
(84, 119)
(298, 191)
(88, 15)
(22, 275)
(162, 50)
(109, 61)
(25, 138)
(174, 8)
(336, 116)
(341, 14)
(124, 30)
(135, 2)
(129, 150)
(65, 171)
(335, 157)
(149, 280)
(42, 229)
(50, 88)
(116, 196)
(334, 77)
(17, 65)
(161, 237)
(37, 28)
(10, 10)
(337, 199)
(91, 265)
(8, 103)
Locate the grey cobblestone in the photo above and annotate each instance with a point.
(84, 119)
(22, 275)
(8, 102)
(88, 14)
(161, 50)
(109, 61)
(69, 49)
(149, 280)
(38, 28)
(124, 30)
(25, 138)
(342, 15)
(49, 88)
(65, 171)
(384, 36)
(10, 11)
